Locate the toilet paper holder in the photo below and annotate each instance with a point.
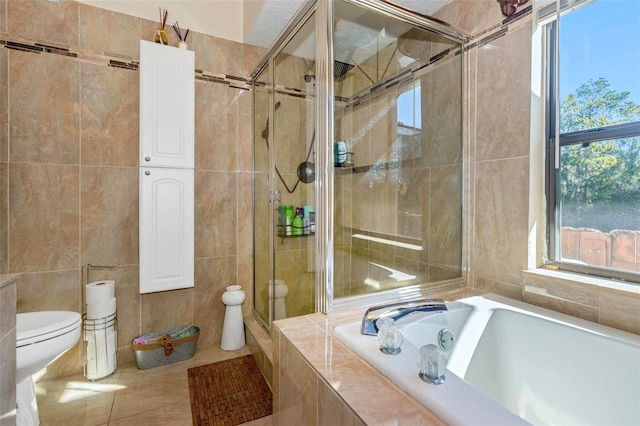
(99, 332)
(100, 346)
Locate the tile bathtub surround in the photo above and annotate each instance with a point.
(68, 171)
(322, 381)
(561, 292)
(318, 380)
(260, 344)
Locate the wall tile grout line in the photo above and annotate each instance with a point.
(111, 61)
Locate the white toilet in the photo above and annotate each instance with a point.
(41, 337)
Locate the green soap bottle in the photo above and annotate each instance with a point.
(298, 223)
(288, 220)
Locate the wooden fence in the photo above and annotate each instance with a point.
(619, 249)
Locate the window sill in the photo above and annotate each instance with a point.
(585, 279)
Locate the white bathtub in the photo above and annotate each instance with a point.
(514, 363)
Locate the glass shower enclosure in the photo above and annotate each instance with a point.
(358, 177)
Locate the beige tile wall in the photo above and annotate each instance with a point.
(564, 292)
(497, 127)
(4, 151)
(68, 169)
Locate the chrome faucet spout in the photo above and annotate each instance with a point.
(397, 311)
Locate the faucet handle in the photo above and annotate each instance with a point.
(432, 363)
(389, 336)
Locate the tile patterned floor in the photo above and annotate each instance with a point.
(158, 396)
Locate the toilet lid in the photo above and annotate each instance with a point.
(33, 327)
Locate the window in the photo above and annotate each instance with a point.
(409, 127)
(409, 108)
(593, 134)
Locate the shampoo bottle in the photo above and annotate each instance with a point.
(312, 220)
(306, 220)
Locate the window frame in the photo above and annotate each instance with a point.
(553, 144)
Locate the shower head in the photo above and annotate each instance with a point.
(340, 69)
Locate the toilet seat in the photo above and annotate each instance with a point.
(35, 327)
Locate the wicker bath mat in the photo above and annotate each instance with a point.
(228, 392)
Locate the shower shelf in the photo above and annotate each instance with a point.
(343, 166)
(286, 237)
(394, 165)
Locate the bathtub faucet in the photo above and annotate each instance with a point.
(398, 310)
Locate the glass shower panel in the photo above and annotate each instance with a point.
(397, 198)
(294, 178)
(261, 171)
(441, 142)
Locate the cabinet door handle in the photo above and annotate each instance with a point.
(147, 158)
(147, 172)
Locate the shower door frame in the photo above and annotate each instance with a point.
(303, 14)
(325, 101)
(324, 105)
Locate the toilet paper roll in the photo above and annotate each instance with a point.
(101, 310)
(101, 353)
(99, 292)
(112, 342)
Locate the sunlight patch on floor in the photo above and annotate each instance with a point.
(81, 390)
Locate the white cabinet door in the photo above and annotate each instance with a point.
(167, 96)
(166, 229)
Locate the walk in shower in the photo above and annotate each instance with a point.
(358, 176)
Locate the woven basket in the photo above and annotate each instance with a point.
(162, 349)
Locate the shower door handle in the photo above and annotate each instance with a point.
(274, 197)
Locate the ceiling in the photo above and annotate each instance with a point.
(255, 22)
